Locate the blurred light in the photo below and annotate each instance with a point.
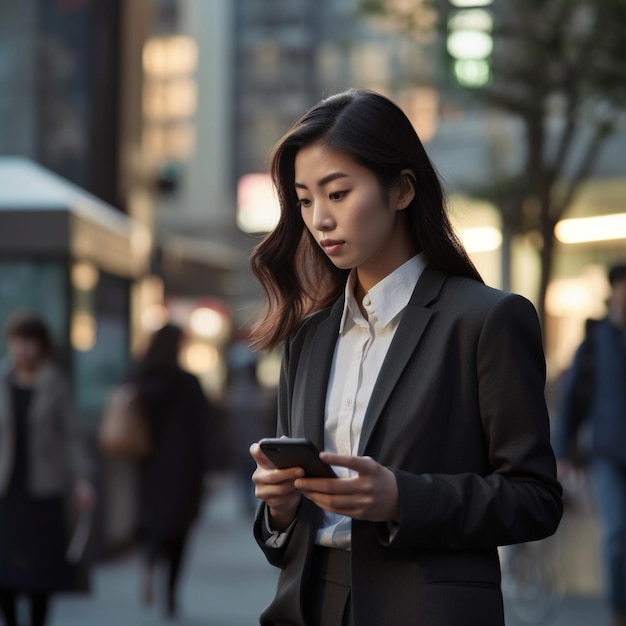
(170, 56)
(421, 105)
(175, 98)
(471, 3)
(200, 357)
(207, 323)
(469, 44)
(565, 296)
(483, 239)
(584, 229)
(471, 19)
(268, 370)
(258, 209)
(83, 332)
(180, 140)
(154, 317)
(472, 72)
(84, 276)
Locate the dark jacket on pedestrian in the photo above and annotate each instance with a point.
(172, 477)
(592, 418)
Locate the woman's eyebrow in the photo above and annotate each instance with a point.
(323, 181)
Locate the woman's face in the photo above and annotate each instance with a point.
(25, 353)
(354, 220)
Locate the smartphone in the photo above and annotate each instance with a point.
(295, 452)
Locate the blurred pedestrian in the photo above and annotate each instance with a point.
(172, 477)
(250, 416)
(423, 386)
(42, 460)
(594, 401)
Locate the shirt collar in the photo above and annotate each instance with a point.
(388, 297)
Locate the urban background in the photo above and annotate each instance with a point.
(133, 185)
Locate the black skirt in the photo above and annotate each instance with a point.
(33, 531)
(33, 541)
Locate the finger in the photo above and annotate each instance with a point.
(260, 458)
(360, 464)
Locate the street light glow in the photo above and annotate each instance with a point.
(470, 3)
(586, 229)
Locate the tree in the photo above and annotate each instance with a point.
(558, 67)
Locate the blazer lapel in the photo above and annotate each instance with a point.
(318, 373)
(412, 326)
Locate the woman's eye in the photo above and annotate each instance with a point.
(336, 195)
(303, 202)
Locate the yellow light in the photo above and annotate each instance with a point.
(174, 98)
(170, 56)
(586, 229)
(84, 276)
(199, 357)
(482, 239)
(83, 332)
(154, 317)
(207, 322)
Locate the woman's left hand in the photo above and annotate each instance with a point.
(371, 495)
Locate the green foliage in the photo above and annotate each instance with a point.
(569, 50)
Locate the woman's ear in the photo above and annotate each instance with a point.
(405, 189)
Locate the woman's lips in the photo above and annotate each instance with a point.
(331, 246)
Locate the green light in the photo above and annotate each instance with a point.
(472, 72)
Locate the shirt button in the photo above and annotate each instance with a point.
(348, 402)
(367, 301)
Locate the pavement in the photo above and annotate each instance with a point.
(226, 582)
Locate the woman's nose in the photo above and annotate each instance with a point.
(322, 218)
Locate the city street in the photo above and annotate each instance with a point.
(227, 582)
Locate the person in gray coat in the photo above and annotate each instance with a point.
(41, 461)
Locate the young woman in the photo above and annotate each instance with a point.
(172, 478)
(41, 460)
(423, 386)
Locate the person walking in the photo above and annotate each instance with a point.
(424, 387)
(42, 458)
(594, 395)
(172, 477)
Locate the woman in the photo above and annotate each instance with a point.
(41, 460)
(423, 386)
(172, 477)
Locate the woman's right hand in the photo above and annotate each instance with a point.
(276, 488)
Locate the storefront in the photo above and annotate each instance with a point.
(80, 264)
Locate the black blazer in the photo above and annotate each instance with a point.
(458, 413)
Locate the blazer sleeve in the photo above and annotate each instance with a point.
(518, 498)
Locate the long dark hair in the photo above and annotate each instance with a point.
(164, 347)
(298, 278)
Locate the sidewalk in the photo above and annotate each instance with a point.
(226, 582)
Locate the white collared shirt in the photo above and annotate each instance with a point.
(359, 355)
